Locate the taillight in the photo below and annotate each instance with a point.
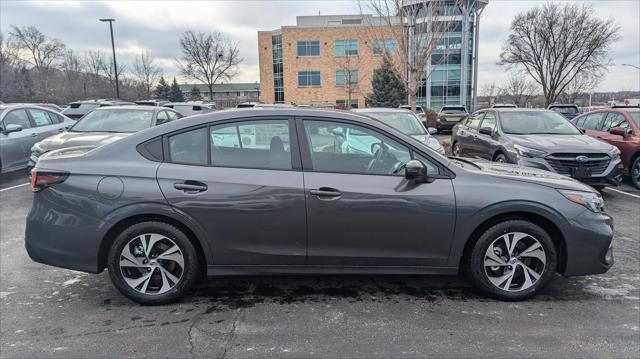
(43, 179)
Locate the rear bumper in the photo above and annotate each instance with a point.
(442, 125)
(589, 245)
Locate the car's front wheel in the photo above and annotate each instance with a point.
(511, 260)
(153, 263)
(455, 150)
(634, 172)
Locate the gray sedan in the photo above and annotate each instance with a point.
(23, 125)
(273, 191)
(541, 139)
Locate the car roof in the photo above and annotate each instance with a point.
(381, 109)
(6, 106)
(562, 105)
(131, 107)
(516, 109)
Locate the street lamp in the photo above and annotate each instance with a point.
(113, 48)
(630, 66)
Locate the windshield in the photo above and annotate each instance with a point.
(453, 110)
(536, 122)
(404, 122)
(634, 115)
(565, 110)
(114, 121)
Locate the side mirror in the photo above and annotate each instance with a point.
(12, 128)
(486, 131)
(432, 130)
(416, 171)
(619, 131)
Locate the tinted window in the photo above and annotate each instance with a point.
(338, 147)
(308, 48)
(40, 117)
(474, 120)
(252, 144)
(162, 118)
(17, 117)
(489, 121)
(114, 120)
(536, 122)
(592, 122)
(189, 147)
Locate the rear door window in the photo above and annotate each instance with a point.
(189, 147)
(592, 122)
(41, 117)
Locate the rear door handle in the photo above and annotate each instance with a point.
(326, 192)
(191, 186)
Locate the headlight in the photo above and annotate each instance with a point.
(528, 152)
(590, 200)
(615, 152)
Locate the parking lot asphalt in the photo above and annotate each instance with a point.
(51, 312)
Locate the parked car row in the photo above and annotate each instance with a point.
(545, 140)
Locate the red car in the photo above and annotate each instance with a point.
(619, 127)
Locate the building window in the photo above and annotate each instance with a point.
(382, 46)
(278, 83)
(309, 79)
(308, 48)
(346, 77)
(345, 104)
(346, 47)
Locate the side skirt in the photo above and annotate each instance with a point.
(231, 270)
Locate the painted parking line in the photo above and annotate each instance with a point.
(622, 192)
(13, 187)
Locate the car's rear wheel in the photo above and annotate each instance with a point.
(455, 150)
(153, 263)
(634, 172)
(511, 260)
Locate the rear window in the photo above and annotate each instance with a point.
(565, 109)
(456, 109)
(114, 120)
(74, 105)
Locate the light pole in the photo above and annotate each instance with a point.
(630, 66)
(113, 48)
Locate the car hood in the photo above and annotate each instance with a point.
(562, 143)
(531, 175)
(75, 139)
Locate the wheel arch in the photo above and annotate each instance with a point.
(189, 227)
(548, 225)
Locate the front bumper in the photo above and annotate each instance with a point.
(611, 176)
(588, 245)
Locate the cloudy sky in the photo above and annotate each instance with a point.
(157, 25)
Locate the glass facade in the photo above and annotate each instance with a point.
(278, 69)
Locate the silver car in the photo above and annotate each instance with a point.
(21, 126)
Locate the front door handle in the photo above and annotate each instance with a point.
(191, 186)
(34, 135)
(326, 192)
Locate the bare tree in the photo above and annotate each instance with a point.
(43, 53)
(208, 58)
(95, 63)
(556, 43)
(518, 89)
(583, 83)
(72, 67)
(490, 90)
(419, 31)
(146, 72)
(352, 69)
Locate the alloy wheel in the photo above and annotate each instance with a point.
(635, 173)
(514, 261)
(151, 263)
(456, 150)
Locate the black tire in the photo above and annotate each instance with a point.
(500, 157)
(475, 256)
(634, 172)
(456, 148)
(189, 273)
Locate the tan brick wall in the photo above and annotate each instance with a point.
(327, 63)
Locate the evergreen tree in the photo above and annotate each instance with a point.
(195, 95)
(388, 89)
(175, 94)
(163, 90)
